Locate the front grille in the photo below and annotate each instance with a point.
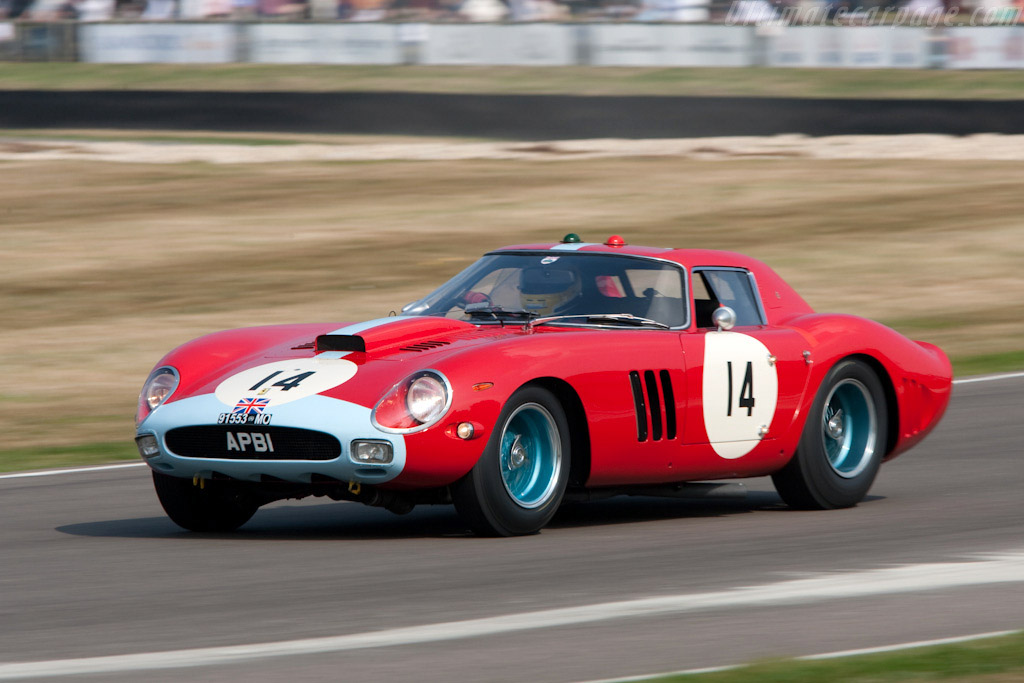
(252, 443)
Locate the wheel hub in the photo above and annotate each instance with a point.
(834, 426)
(517, 454)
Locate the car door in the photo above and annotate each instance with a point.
(749, 379)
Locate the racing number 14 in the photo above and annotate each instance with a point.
(746, 390)
(285, 384)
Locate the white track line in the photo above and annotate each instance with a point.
(907, 646)
(989, 378)
(996, 569)
(810, 658)
(74, 470)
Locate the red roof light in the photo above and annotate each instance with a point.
(615, 241)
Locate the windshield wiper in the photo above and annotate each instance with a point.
(498, 313)
(598, 318)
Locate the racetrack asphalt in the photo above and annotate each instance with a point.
(90, 567)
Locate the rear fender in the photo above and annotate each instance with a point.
(916, 376)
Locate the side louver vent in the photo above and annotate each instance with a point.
(425, 346)
(655, 407)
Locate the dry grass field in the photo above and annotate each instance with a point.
(106, 266)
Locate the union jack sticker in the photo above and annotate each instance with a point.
(251, 406)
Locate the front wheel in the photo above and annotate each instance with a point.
(518, 483)
(216, 506)
(842, 443)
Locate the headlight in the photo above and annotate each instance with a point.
(426, 398)
(161, 383)
(413, 404)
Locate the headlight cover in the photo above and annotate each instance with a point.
(415, 403)
(161, 384)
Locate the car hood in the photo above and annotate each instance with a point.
(403, 335)
(379, 353)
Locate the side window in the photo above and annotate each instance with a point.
(732, 288)
(657, 294)
(651, 282)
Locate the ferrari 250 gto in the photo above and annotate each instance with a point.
(542, 373)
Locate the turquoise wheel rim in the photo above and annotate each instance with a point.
(530, 456)
(849, 428)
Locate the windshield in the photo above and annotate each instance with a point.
(524, 286)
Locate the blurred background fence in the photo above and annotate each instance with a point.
(596, 43)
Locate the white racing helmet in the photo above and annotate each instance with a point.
(546, 291)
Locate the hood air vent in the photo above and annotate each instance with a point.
(424, 346)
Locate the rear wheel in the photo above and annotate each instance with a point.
(215, 506)
(842, 443)
(518, 483)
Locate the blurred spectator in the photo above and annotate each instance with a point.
(17, 8)
(483, 10)
(51, 10)
(96, 10)
(364, 10)
(751, 12)
(537, 10)
(68, 10)
(922, 8)
(243, 9)
(159, 10)
(284, 9)
(674, 10)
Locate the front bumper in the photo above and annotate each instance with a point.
(249, 453)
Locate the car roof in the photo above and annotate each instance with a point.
(779, 300)
(690, 258)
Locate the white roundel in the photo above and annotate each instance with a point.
(741, 389)
(284, 381)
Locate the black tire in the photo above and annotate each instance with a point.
(216, 506)
(516, 489)
(842, 444)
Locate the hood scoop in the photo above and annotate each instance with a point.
(340, 342)
(402, 333)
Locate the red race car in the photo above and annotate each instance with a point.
(542, 372)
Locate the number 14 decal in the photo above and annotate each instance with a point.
(746, 399)
(285, 384)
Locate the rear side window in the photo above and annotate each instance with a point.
(714, 287)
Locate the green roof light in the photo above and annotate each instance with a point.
(571, 238)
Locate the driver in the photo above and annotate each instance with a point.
(548, 291)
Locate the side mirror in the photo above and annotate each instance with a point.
(724, 318)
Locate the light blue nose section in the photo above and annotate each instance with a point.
(249, 450)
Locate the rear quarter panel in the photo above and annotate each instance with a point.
(918, 375)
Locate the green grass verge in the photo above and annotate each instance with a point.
(20, 459)
(846, 83)
(991, 659)
(989, 363)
